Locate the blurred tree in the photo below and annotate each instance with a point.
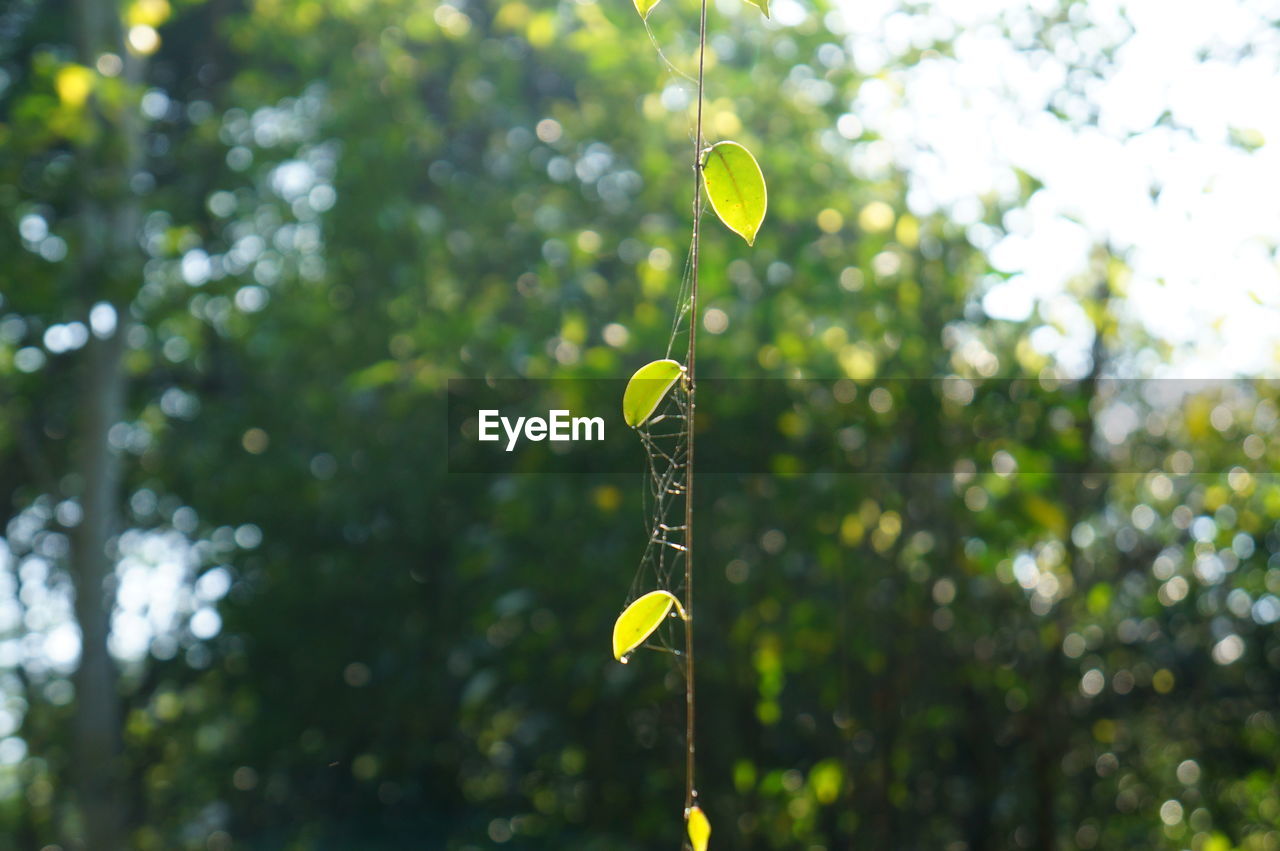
(1018, 629)
(107, 267)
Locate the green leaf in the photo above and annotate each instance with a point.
(380, 374)
(762, 5)
(640, 619)
(699, 828)
(647, 388)
(644, 7)
(736, 188)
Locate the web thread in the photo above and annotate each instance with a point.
(665, 438)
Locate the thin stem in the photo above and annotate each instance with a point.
(690, 791)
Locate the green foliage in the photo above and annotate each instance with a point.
(644, 7)
(646, 390)
(410, 657)
(736, 188)
(638, 621)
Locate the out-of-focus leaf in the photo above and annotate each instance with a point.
(73, 84)
(380, 374)
(699, 829)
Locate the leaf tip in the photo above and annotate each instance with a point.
(699, 827)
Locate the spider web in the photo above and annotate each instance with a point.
(665, 437)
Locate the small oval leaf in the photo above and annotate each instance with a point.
(646, 390)
(644, 7)
(699, 828)
(762, 5)
(736, 188)
(640, 619)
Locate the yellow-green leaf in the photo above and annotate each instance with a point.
(699, 828)
(762, 5)
(640, 619)
(646, 390)
(736, 188)
(644, 7)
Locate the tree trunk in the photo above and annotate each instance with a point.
(1052, 729)
(108, 267)
(97, 743)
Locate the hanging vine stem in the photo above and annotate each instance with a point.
(734, 185)
(690, 703)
